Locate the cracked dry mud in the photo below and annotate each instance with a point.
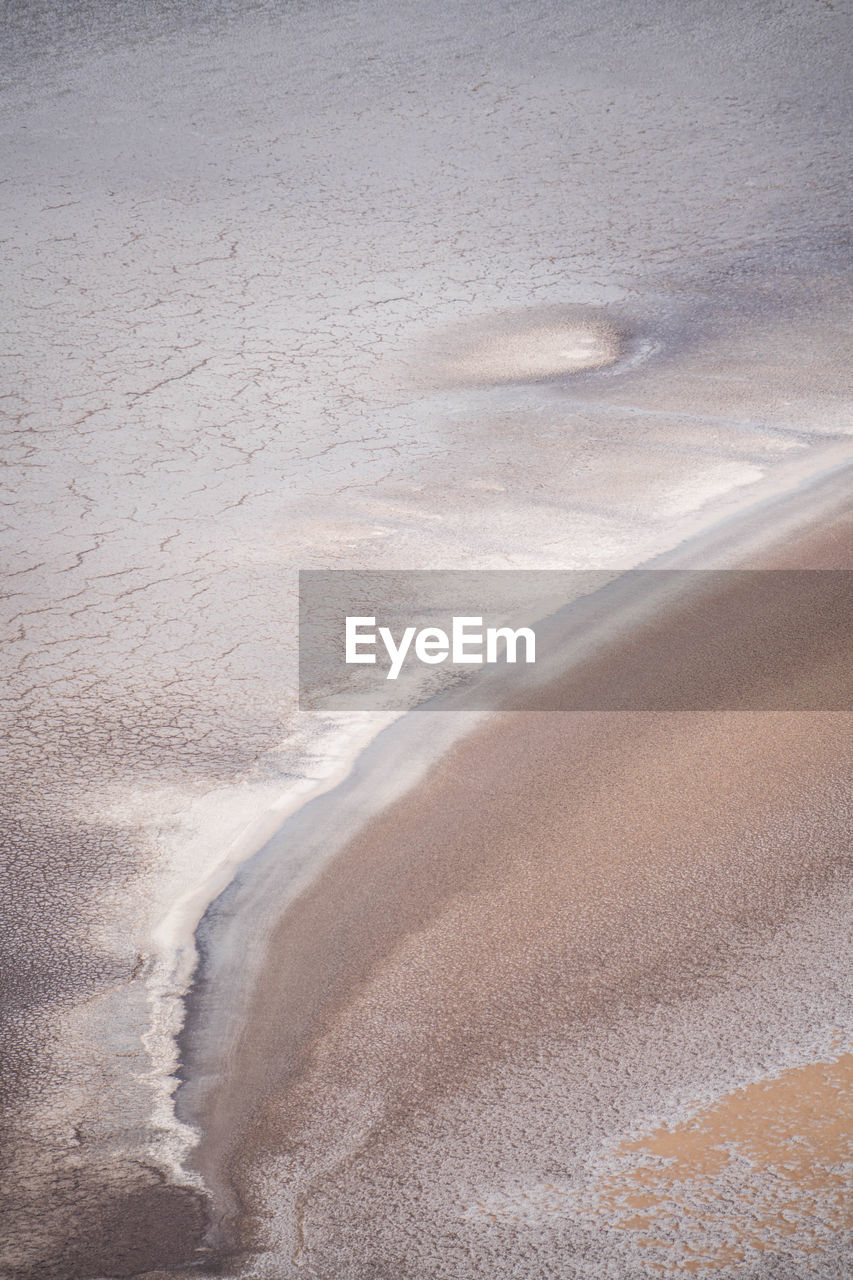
(247, 251)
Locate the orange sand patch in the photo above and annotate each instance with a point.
(761, 1169)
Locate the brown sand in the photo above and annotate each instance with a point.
(553, 872)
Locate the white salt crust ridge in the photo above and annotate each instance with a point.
(225, 226)
(255, 816)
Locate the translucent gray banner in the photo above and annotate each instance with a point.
(642, 640)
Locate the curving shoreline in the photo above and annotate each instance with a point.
(307, 286)
(337, 939)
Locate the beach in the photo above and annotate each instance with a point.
(336, 286)
(556, 880)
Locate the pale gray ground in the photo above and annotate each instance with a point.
(231, 235)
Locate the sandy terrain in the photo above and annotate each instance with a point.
(555, 875)
(358, 285)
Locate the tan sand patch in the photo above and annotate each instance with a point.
(762, 1169)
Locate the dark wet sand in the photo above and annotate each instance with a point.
(553, 872)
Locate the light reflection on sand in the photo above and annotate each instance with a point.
(530, 352)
